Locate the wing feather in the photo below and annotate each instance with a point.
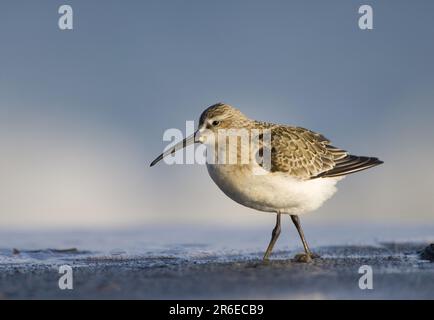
(305, 154)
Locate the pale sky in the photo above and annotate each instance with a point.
(83, 112)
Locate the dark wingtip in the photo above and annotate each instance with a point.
(378, 161)
(350, 164)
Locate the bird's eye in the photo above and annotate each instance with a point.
(215, 123)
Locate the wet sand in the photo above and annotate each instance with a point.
(398, 273)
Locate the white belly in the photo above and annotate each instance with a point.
(271, 192)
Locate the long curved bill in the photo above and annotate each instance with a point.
(179, 146)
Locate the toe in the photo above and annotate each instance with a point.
(314, 255)
(302, 258)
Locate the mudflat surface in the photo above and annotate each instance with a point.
(398, 273)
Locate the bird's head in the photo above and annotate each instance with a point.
(217, 117)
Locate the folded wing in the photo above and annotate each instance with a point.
(305, 154)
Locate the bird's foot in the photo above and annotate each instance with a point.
(305, 257)
(314, 255)
(302, 258)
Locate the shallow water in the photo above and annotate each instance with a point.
(188, 243)
(190, 262)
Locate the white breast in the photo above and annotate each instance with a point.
(271, 191)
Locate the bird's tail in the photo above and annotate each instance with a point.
(350, 164)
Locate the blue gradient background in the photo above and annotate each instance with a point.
(82, 112)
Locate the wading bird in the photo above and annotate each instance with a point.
(301, 174)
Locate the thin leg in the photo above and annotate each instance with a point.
(274, 235)
(296, 221)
